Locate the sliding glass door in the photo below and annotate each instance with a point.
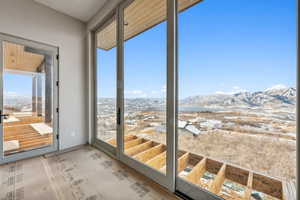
(194, 95)
(29, 104)
(145, 74)
(237, 100)
(106, 90)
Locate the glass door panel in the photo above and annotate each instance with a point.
(28, 119)
(27, 103)
(106, 122)
(145, 86)
(237, 99)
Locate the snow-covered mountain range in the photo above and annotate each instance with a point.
(278, 95)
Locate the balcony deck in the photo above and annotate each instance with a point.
(226, 180)
(22, 131)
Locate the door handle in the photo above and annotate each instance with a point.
(5, 116)
(119, 116)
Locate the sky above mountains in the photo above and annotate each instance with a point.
(233, 46)
(224, 47)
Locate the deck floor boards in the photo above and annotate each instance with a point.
(27, 136)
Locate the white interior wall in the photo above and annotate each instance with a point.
(30, 20)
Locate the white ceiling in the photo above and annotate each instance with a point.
(83, 10)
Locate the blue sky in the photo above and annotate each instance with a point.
(17, 85)
(237, 45)
(20, 85)
(224, 47)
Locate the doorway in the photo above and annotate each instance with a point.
(29, 103)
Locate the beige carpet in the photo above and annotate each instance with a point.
(84, 174)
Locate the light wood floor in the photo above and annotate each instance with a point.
(23, 132)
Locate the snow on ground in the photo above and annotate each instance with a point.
(212, 124)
